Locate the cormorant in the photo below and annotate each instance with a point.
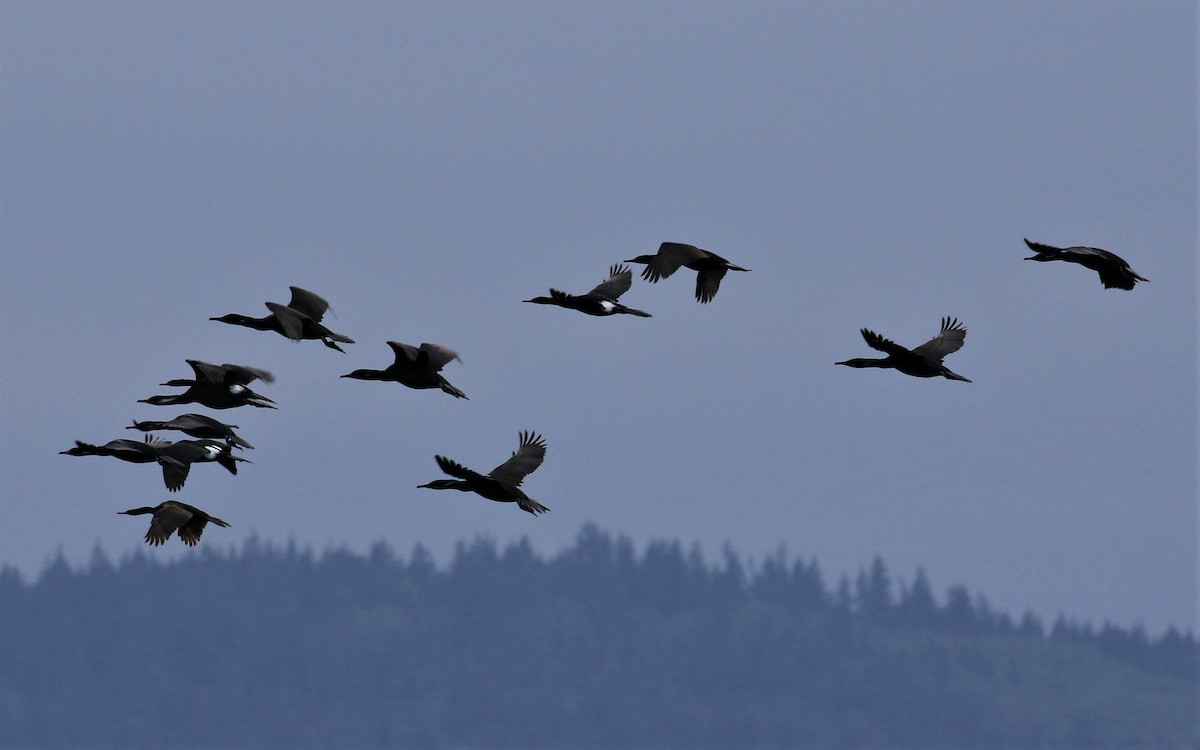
(1114, 272)
(176, 459)
(196, 425)
(415, 368)
(602, 300)
(182, 454)
(711, 267)
(171, 516)
(217, 387)
(145, 451)
(503, 483)
(300, 319)
(923, 362)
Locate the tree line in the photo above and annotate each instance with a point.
(599, 645)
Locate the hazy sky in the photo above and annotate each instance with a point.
(428, 166)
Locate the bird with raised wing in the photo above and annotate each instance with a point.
(415, 367)
(923, 362)
(503, 483)
(1114, 272)
(710, 267)
(299, 319)
(602, 300)
(217, 387)
(172, 516)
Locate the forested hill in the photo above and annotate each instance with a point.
(601, 645)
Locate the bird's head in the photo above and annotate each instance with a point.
(859, 362)
(641, 259)
(234, 318)
(443, 484)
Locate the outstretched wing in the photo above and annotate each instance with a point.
(308, 303)
(175, 472)
(166, 521)
(708, 280)
(455, 469)
(1041, 248)
(291, 320)
(879, 343)
(620, 278)
(949, 340)
(523, 461)
(439, 355)
(190, 530)
(227, 373)
(671, 255)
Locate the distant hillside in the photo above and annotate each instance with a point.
(599, 646)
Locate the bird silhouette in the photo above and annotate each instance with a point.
(299, 319)
(172, 516)
(710, 267)
(1114, 272)
(923, 362)
(503, 483)
(176, 458)
(196, 425)
(602, 300)
(415, 367)
(217, 387)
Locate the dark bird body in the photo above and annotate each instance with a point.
(503, 483)
(217, 387)
(602, 300)
(182, 454)
(176, 459)
(1114, 272)
(172, 516)
(196, 425)
(414, 367)
(710, 268)
(299, 319)
(145, 451)
(923, 362)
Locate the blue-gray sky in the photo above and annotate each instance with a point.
(428, 166)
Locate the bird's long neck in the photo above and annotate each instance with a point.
(868, 362)
(237, 319)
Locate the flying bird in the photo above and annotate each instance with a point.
(172, 516)
(196, 425)
(299, 319)
(1114, 272)
(415, 367)
(176, 459)
(602, 300)
(923, 362)
(710, 267)
(217, 387)
(182, 454)
(503, 483)
(145, 451)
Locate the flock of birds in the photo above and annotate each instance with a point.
(227, 386)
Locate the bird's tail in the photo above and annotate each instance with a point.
(529, 505)
(452, 390)
(954, 375)
(228, 460)
(631, 311)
